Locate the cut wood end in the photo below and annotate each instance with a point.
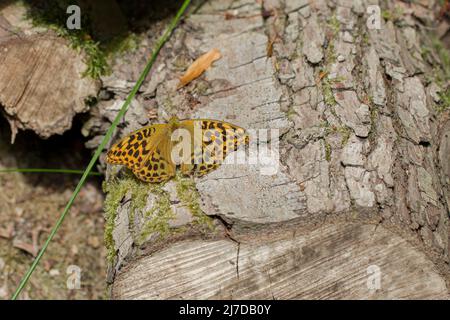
(341, 261)
(46, 92)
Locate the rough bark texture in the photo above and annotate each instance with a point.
(41, 83)
(363, 175)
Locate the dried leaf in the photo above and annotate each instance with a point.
(322, 74)
(199, 66)
(27, 247)
(269, 49)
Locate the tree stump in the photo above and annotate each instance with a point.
(359, 206)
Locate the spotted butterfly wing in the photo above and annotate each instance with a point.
(145, 152)
(209, 149)
(157, 166)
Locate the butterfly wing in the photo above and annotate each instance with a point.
(143, 151)
(216, 141)
(158, 166)
(131, 150)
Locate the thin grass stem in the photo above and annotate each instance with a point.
(44, 170)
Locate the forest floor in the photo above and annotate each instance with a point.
(29, 206)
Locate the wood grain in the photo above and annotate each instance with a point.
(330, 262)
(41, 86)
(41, 83)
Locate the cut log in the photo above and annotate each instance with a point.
(41, 82)
(361, 186)
(337, 261)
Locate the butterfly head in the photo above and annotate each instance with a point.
(174, 122)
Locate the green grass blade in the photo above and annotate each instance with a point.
(43, 170)
(102, 145)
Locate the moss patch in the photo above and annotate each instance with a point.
(157, 218)
(189, 196)
(115, 193)
(116, 190)
(444, 104)
(328, 95)
(395, 15)
(327, 151)
(334, 24)
(441, 71)
(98, 50)
(345, 133)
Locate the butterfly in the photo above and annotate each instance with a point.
(197, 147)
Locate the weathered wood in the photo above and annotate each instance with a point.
(359, 141)
(336, 261)
(41, 82)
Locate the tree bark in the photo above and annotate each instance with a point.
(359, 206)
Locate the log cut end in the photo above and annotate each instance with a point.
(340, 261)
(31, 62)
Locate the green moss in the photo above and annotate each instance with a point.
(161, 213)
(116, 189)
(52, 15)
(326, 125)
(291, 113)
(189, 197)
(334, 24)
(327, 151)
(328, 95)
(121, 44)
(365, 39)
(444, 104)
(425, 52)
(441, 71)
(345, 132)
(201, 88)
(327, 89)
(157, 218)
(394, 16)
(386, 14)
(181, 62)
(330, 54)
(444, 75)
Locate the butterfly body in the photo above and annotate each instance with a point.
(195, 146)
